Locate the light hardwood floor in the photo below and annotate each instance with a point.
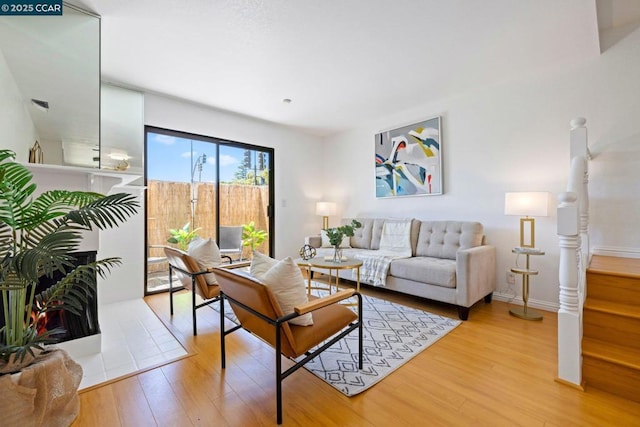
(493, 370)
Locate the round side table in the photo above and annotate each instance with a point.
(525, 312)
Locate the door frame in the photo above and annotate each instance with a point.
(218, 142)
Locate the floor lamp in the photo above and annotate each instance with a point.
(526, 204)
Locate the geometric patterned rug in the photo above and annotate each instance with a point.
(392, 335)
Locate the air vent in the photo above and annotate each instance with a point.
(43, 105)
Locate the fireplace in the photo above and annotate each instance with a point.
(74, 326)
(121, 283)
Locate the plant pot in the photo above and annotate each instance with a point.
(45, 393)
(13, 366)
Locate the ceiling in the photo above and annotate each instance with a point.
(340, 62)
(57, 61)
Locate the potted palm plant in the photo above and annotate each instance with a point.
(38, 234)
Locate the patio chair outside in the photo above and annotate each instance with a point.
(230, 241)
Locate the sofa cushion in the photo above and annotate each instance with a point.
(376, 233)
(368, 236)
(442, 239)
(361, 238)
(415, 230)
(433, 271)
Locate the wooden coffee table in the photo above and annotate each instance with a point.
(321, 263)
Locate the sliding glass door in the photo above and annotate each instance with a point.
(205, 187)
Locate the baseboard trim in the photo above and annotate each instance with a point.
(616, 251)
(533, 303)
(580, 386)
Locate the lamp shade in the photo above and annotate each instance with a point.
(325, 208)
(527, 203)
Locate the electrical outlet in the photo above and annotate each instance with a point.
(511, 278)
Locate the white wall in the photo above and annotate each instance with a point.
(17, 132)
(126, 281)
(515, 137)
(614, 136)
(298, 172)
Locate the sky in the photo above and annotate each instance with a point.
(170, 158)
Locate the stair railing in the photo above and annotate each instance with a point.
(573, 225)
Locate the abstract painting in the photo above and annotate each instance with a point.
(409, 160)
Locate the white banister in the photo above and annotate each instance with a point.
(578, 139)
(573, 224)
(569, 314)
(578, 181)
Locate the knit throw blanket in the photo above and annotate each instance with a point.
(375, 267)
(395, 243)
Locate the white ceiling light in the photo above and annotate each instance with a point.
(119, 156)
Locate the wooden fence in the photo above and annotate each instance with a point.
(169, 206)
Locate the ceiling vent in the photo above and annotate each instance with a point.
(42, 105)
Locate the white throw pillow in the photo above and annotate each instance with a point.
(288, 286)
(346, 241)
(396, 237)
(207, 255)
(260, 264)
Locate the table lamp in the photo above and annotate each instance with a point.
(325, 209)
(527, 204)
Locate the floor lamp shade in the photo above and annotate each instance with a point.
(527, 204)
(325, 209)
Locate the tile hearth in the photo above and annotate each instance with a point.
(133, 339)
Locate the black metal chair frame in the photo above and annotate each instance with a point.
(193, 276)
(277, 323)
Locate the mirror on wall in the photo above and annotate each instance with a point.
(54, 65)
(121, 129)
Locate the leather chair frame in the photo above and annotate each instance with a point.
(281, 327)
(195, 277)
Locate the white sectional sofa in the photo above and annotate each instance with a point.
(449, 261)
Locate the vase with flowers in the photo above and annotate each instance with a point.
(336, 234)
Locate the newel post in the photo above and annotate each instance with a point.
(569, 314)
(578, 139)
(579, 181)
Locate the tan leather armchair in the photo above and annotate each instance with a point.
(258, 312)
(192, 277)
